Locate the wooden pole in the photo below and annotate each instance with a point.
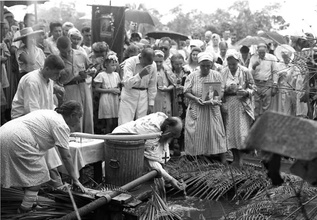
(120, 137)
(106, 198)
(35, 11)
(2, 10)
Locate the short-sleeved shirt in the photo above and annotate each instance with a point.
(34, 92)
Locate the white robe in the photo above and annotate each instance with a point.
(134, 103)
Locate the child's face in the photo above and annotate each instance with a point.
(111, 66)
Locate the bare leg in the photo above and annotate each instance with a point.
(29, 199)
(56, 179)
(237, 158)
(223, 158)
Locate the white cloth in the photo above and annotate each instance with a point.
(84, 151)
(154, 151)
(266, 70)
(24, 142)
(134, 103)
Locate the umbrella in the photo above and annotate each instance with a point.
(170, 34)
(276, 37)
(140, 17)
(12, 3)
(252, 40)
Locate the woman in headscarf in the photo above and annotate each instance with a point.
(192, 63)
(76, 38)
(24, 142)
(204, 129)
(237, 107)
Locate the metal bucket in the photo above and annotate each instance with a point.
(123, 160)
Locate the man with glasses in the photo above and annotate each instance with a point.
(165, 45)
(139, 86)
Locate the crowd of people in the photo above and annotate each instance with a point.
(158, 86)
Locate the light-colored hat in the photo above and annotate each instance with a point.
(27, 32)
(196, 43)
(262, 45)
(232, 53)
(158, 52)
(205, 56)
(74, 32)
(68, 24)
(284, 49)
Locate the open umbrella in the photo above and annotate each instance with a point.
(276, 37)
(140, 17)
(173, 35)
(252, 40)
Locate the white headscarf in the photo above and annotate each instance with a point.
(75, 32)
(232, 53)
(205, 56)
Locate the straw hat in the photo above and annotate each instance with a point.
(284, 49)
(26, 32)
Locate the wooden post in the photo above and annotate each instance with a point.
(2, 9)
(35, 11)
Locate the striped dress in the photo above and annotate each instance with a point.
(204, 129)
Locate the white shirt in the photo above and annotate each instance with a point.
(34, 92)
(156, 152)
(131, 77)
(266, 70)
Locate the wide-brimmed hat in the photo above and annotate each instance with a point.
(284, 49)
(26, 32)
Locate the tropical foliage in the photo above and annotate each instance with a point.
(238, 18)
(248, 187)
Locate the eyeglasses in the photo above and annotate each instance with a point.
(163, 48)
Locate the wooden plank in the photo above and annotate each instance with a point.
(284, 135)
(122, 198)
